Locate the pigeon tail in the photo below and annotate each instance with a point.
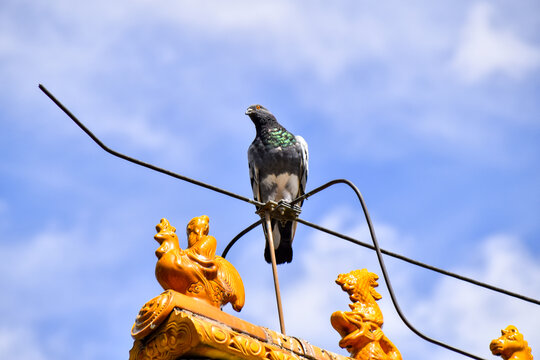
(283, 233)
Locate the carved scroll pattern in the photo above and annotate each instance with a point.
(246, 347)
(152, 314)
(171, 340)
(187, 334)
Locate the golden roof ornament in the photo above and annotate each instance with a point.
(511, 345)
(205, 293)
(186, 320)
(197, 271)
(360, 328)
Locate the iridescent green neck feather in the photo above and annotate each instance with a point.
(277, 137)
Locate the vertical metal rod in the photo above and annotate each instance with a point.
(270, 238)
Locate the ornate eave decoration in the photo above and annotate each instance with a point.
(173, 326)
(186, 320)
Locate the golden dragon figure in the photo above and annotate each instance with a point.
(511, 345)
(360, 328)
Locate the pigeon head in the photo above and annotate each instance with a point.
(260, 116)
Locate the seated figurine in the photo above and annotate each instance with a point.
(197, 271)
(360, 328)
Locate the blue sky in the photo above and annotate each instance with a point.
(431, 109)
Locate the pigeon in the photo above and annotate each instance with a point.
(278, 168)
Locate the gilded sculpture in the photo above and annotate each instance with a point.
(197, 271)
(360, 328)
(511, 345)
(186, 320)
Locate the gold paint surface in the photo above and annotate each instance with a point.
(197, 271)
(360, 328)
(511, 345)
(194, 328)
(186, 320)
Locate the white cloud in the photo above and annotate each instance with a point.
(318, 44)
(309, 291)
(141, 133)
(486, 49)
(53, 282)
(293, 37)
(308, 288)
(309, 45)
(460, 314)
(469, 317)
(322, 39)
(47, 254)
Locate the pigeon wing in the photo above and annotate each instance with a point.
(303, 166)
(254, 173)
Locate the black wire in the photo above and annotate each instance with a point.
(237, 237)
(316, 190)
(256, 203)
(386, 252)
(387, 278)
(420, 264)
(380, 251)
(460, 277)
(141, 163)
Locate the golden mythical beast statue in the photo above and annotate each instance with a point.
(511, 345)
(360, 328)
(197, 271)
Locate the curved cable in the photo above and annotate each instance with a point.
(305, 196)
(237, 237)
(387, 278)
(414, 262)
(389, 253)
(141, 163)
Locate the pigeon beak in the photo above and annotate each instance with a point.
(249, 111)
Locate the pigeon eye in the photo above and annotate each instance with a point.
(258, 107)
